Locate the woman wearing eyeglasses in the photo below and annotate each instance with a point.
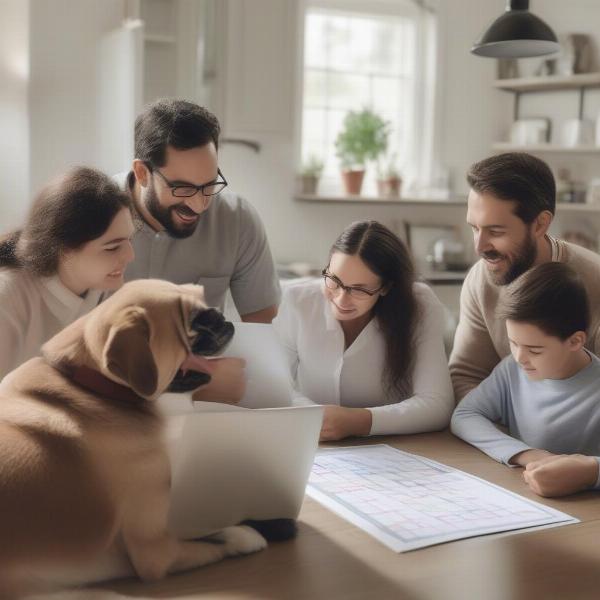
(74, 245)
(367, 340)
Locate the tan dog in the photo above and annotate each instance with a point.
(84, 474)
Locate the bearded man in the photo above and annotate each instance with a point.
(510, 208)
(190, 229)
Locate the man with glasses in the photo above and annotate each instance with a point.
(189, 229)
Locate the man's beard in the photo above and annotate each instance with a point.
(165, 215)
(523, 261)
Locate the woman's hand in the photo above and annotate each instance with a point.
(340, 422)
(561, 475)
(227, 384)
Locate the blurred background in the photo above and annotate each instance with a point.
(295, 84)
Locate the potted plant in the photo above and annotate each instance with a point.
(363, 137)
(310, 174)
(389, 180)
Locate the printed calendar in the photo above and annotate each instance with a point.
(409, 502)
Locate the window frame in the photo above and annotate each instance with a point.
(426, 105)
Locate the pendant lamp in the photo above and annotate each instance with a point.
(517, 34)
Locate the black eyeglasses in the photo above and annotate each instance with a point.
(359, 293)
(187, 190)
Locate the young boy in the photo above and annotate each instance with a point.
(547, 394)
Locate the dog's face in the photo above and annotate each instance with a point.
(209, 335)
(151, 336)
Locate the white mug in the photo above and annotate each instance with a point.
(593, 191)
(577, 132)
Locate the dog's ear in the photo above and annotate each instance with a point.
(127, 352)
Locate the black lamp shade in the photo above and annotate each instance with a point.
(517, 34)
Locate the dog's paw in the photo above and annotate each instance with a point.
(274, 530)
(242, 540)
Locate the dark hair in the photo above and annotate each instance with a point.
(519, 177)
(67, 213)
(550, 296)
(172, 122)
(397, 311)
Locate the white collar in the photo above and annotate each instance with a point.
(65, 305)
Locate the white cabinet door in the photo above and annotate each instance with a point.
(120, 94)
(261, 56)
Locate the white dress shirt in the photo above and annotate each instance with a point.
(32, 310)
(325, 373)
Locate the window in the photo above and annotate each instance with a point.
(366, 54)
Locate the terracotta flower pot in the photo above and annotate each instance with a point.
(309, 184)
(389, 188)
(353, 181)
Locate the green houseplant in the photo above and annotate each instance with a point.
(364, 136)
(311, 171)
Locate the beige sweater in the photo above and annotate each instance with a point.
(481, 340)
(32, 310)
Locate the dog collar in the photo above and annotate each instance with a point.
(94, 381)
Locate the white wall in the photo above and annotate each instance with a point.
(64, 38)
(14, 145)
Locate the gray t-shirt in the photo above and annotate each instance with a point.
(228, 250)
(558, 415)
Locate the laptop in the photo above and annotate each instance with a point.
(251, 461)
(237, 464)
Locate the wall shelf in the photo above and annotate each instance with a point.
(378, 200)
(156, 38)
(456, 202)
(521, 85)
(549, 83)
(578, 207)
(508, 147)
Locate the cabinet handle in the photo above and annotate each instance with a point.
(250, 143)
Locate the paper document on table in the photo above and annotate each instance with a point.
(409, 502)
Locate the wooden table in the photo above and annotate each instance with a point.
(332, 558)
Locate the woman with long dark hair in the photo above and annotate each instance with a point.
(74, 246)
(367, 340)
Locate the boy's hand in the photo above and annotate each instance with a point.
(340, 422)
(227, 384)
(561, 475)
(522, 459)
